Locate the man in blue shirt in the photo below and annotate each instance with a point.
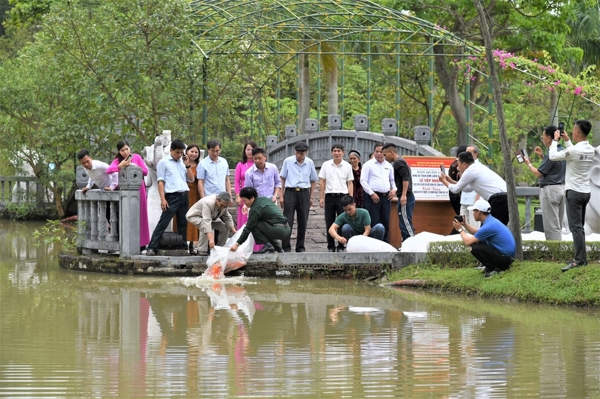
(213, 172)
(173, 173)
(492, 244)
(298, 177)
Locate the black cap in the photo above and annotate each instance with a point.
(301, 147)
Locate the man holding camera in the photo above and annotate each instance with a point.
(487, 183)
(551, 175)
(493, 245)
(579, 159)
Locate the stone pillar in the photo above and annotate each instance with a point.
(130, 181)
(389, 127)
(361, 123)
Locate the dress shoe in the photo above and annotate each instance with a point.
(573, 265)
(300, 250)
(265, 250)
(150, 252)
(341, 249)
(331, 250)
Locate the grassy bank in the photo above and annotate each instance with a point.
(541, 282)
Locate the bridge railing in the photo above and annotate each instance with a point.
(529, 193)
(109, 220)
(319, 145)
(20, 189)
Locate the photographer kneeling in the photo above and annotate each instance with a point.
(492, 244)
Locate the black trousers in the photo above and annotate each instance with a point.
(178, 206)
(333, 208)
(265, 233)
(490, 257)
(296, 202)
(576, 204)
(380, 212)
(499, 204)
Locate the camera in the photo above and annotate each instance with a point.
(561, 127)
(443, 169)
(458, 218)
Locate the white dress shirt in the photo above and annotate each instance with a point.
(377, 176)
(579, 159)
(99, 176)
(481, 179)
(336, 176)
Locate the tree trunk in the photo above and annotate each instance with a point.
(332, 95)
(448, 75)
(513, 210)
(304, 91)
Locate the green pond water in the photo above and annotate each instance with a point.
(83, 335)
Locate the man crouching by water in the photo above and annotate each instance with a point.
(492, 244)
(266, 222)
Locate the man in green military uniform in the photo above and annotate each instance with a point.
(265, 221)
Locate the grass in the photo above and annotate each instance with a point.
(541, 282)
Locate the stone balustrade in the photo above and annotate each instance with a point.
(121, 230)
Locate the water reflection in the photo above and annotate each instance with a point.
(67, 334)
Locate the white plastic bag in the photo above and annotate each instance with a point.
(368, 244)
(220, 256)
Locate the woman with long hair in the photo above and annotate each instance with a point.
(193, 153)
(354, 160)
(124, 159)
(240, 182)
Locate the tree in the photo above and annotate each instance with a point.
(518, 26)
(513, 210)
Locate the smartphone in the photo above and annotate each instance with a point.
(185, 157)
(561, 127)
(458, 218)
(443, 169)
(128, 158)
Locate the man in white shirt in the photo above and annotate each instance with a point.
(487, 183)
(579, 159)
(377, 180)
(213, 172)
(96, 171)
(335, 180)
(468, 198)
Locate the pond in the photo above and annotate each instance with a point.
(70, 334)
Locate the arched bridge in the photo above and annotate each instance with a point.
(319, 145)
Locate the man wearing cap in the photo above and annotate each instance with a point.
(492, 244)
(265, 221)
(487, 183)
(210, 214)
(298, 177)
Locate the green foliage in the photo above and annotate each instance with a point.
(55, 232)
(23, 210)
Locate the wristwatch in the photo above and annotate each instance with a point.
(189, 166)
(460, 231)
